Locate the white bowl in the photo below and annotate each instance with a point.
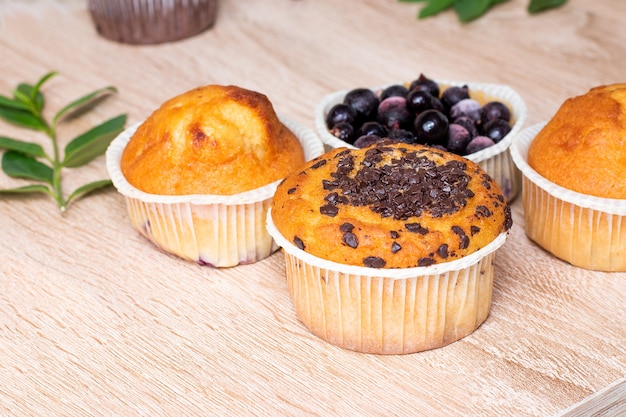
(215, 230)
(496, 159)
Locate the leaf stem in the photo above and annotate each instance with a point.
(56, 169)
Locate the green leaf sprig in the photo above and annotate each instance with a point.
(28, 160)
(468, 10)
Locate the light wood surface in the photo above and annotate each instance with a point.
(94, 321)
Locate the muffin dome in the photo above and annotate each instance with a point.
(390, 206)
(583, 147)
(214, 139)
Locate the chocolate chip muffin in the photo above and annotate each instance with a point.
(390, 249)
(390, 206)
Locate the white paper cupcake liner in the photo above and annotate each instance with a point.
(213, 230)
(389, 311)
(584, 230)
(495, 160)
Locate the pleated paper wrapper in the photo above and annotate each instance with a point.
(389, 311)
(214, 230)
(584, 230)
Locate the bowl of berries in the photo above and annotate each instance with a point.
(475, 120)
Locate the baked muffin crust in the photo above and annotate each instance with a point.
(390, 206)
(583, 147)
(211, 140)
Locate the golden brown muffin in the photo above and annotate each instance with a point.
(390, 206)
(211, 140)
(583, 147)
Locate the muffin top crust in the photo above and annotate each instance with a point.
(390, 206)
(214, 139)
(583, 146)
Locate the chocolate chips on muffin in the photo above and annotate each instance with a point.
(391, 206)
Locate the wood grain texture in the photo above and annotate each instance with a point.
(94, 321)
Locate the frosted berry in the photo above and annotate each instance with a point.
(339, 113)
(458, 138)
(343, 131)
(365, 141)
(396, 90)
(495, 110)
(425, 84)
(496, 129)
(468, 124)
(402, 136)
(364, 102)
(466, 108)
(372, 128)
(478, 144)
(453, 95)
(431, 127)
(393, 114)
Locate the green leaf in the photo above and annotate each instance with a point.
(28, 148)
(433, 7)
(87, 188)
(83, 101)
(92, 143)
(468, 10)
(13, 103)
(33, 188)
(17, 165)
(42, 80)
(30, 94)
(26, 94)
(23, 118)
(537, 6)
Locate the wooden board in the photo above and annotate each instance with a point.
(94, 320)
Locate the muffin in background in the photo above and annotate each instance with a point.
(151, 21)
(390, 249)
(574, 180)
(198, 175)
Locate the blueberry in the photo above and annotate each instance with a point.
(425, 84)
(393, 114)
(495, 110)
(496, 129)
(478, 144)
(468, 124)
(431, 127)
(343, 131)
(396, 90)
(364, 103)
(458, 138)
(418, 101)
(453, 95)
(466, 108)
(365, 141)
(339, 113)
(372, 128)
(402, 136)
(437, 104)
